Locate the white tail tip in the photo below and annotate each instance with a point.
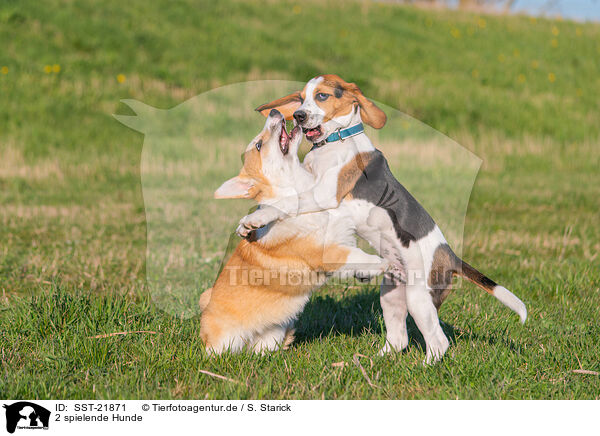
(511, 301)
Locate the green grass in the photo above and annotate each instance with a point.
(73, 224)
(52, 355)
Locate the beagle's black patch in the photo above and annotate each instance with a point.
(338, 91)
(477, 277)
(378, 186)
(443, 267)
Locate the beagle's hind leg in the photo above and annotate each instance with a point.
(422, 308)
(395, 311)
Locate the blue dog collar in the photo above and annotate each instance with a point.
(340, 135)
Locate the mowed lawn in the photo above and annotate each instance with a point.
(520, 93)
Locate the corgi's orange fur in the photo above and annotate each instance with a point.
(269, 277)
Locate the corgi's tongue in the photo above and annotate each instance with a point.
(284, 139)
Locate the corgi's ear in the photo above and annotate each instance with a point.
(286, 105)
(235, 188)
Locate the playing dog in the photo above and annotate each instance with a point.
(352, 172)
(269, 277)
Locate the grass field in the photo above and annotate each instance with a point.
(520, 93)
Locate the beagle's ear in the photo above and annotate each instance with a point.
(234, 188)
(286, 105)
(369, 112)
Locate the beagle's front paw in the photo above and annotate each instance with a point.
(257, 219)
(397, 272)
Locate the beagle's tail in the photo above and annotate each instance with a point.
(204, 299)
(506, 297)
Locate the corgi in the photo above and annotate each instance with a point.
(269, 277)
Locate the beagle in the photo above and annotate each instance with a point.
(268, 279)
(351, 172)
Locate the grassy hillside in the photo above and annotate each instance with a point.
(521, 93)
(456, 72)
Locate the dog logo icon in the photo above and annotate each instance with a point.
(26, 415)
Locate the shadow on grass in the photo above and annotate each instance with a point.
(360, 314)
(354, 315)
(490, 338)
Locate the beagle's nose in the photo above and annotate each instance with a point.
(300, 116)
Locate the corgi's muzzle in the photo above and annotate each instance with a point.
(285, 138)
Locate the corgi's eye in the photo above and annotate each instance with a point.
(259, 144)
(321, 96)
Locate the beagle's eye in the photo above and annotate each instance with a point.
(321, 96)
(259, 144)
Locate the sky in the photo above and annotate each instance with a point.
(574, 9)
(580, 10)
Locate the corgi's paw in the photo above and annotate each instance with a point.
(273, 339)
(266, 344)
(212, 351)
(257, 219)
(365, 275)
(242, 230)
(376, 267)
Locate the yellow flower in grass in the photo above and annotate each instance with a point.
(56, 68)
(4, 70)
(532, 20)
(535, 64)
(121, 78)
(47, 69)
(475, 74)
(501, 57)
(555, 31)
(554, 43)
(578, 31)
(551, 77)
(481, 23)
(455, 33)
(521, 78)
(516, 53)
(296, 9)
